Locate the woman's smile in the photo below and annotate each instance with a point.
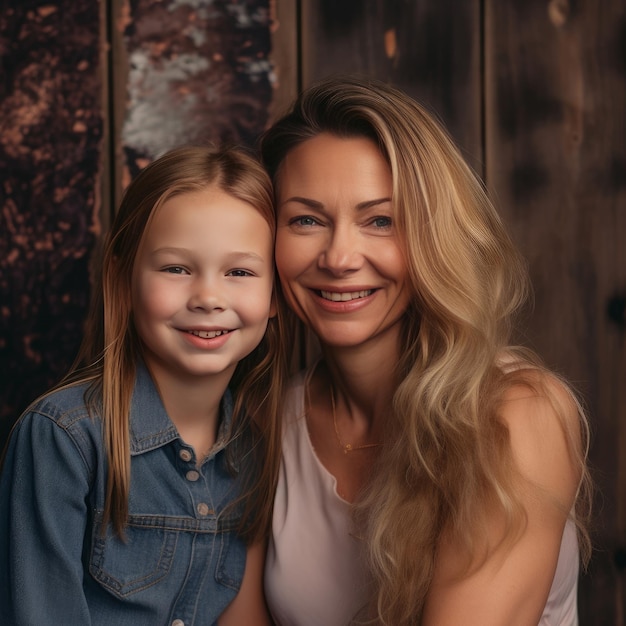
(345, 296)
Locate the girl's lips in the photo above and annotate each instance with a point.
(207, 339)
(344, 296)
(207, 334)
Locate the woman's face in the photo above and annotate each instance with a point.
(337, 247)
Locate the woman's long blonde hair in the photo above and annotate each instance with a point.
(468, 281)
(111, 348)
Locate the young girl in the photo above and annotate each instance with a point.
(129, 493)
(432, 474)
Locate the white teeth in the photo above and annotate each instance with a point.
(345, 296)
(207, 334)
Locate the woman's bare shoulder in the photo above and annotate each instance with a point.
(545, 425)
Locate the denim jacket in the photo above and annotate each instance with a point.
(180, 563)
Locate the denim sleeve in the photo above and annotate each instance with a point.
(44, 489)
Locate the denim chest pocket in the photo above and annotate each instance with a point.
(140, 560)
(155, 549)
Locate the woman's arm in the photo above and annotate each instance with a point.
(249, 606)
(511, 586)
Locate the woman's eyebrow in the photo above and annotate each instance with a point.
(367, 204)
(314, 204)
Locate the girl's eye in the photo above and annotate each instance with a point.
(175, 269)
(303, 220)
(240, 273)
(382, 222)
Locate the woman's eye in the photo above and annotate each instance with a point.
(175, 269)
(240, 273)
(304, 220)
(382, 222)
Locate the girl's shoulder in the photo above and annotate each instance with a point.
(65, 405)
(58, 425)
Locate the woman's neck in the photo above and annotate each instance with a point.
(366, 378)
(348, 407)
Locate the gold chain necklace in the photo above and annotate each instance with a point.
(346, 447)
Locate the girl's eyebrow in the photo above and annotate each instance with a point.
(235, 255)
(314, 204)
(246, 256)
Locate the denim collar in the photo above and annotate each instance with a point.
(150, 425)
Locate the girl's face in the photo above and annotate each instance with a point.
(337, 248)
(202, 284)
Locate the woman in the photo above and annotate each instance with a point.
(420, 447)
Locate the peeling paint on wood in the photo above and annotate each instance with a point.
(198, 71)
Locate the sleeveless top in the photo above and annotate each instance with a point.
(315, 573)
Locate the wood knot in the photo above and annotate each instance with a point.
(391, 43)
(558, 12)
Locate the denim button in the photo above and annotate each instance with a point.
(192, 475)
(178, 622)
(185, 455)
(203, 509)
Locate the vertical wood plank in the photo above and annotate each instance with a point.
(430, 49)
(284, 55)
(556, 163)
(197, 71)
(50, 155)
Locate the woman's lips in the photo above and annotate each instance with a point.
(344, 296)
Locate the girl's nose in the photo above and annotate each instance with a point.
(342, 253)
(206, 295)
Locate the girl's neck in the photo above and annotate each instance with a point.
(193, 405)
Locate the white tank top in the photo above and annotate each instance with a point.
(315, 572)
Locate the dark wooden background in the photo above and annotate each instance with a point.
(534, 93)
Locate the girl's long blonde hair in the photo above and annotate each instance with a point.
(111, 348)
(467, 281)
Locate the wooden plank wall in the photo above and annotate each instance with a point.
(51, 128)
(534, 93)
(429, 49)
(555, 101)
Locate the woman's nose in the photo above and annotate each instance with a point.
(342, 252)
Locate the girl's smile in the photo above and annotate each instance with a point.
(207, 334)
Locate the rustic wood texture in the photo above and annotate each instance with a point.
(50, 134)
(283, 55)
(533, 92)
(430, 49)
(197, 72)
(556, 163)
